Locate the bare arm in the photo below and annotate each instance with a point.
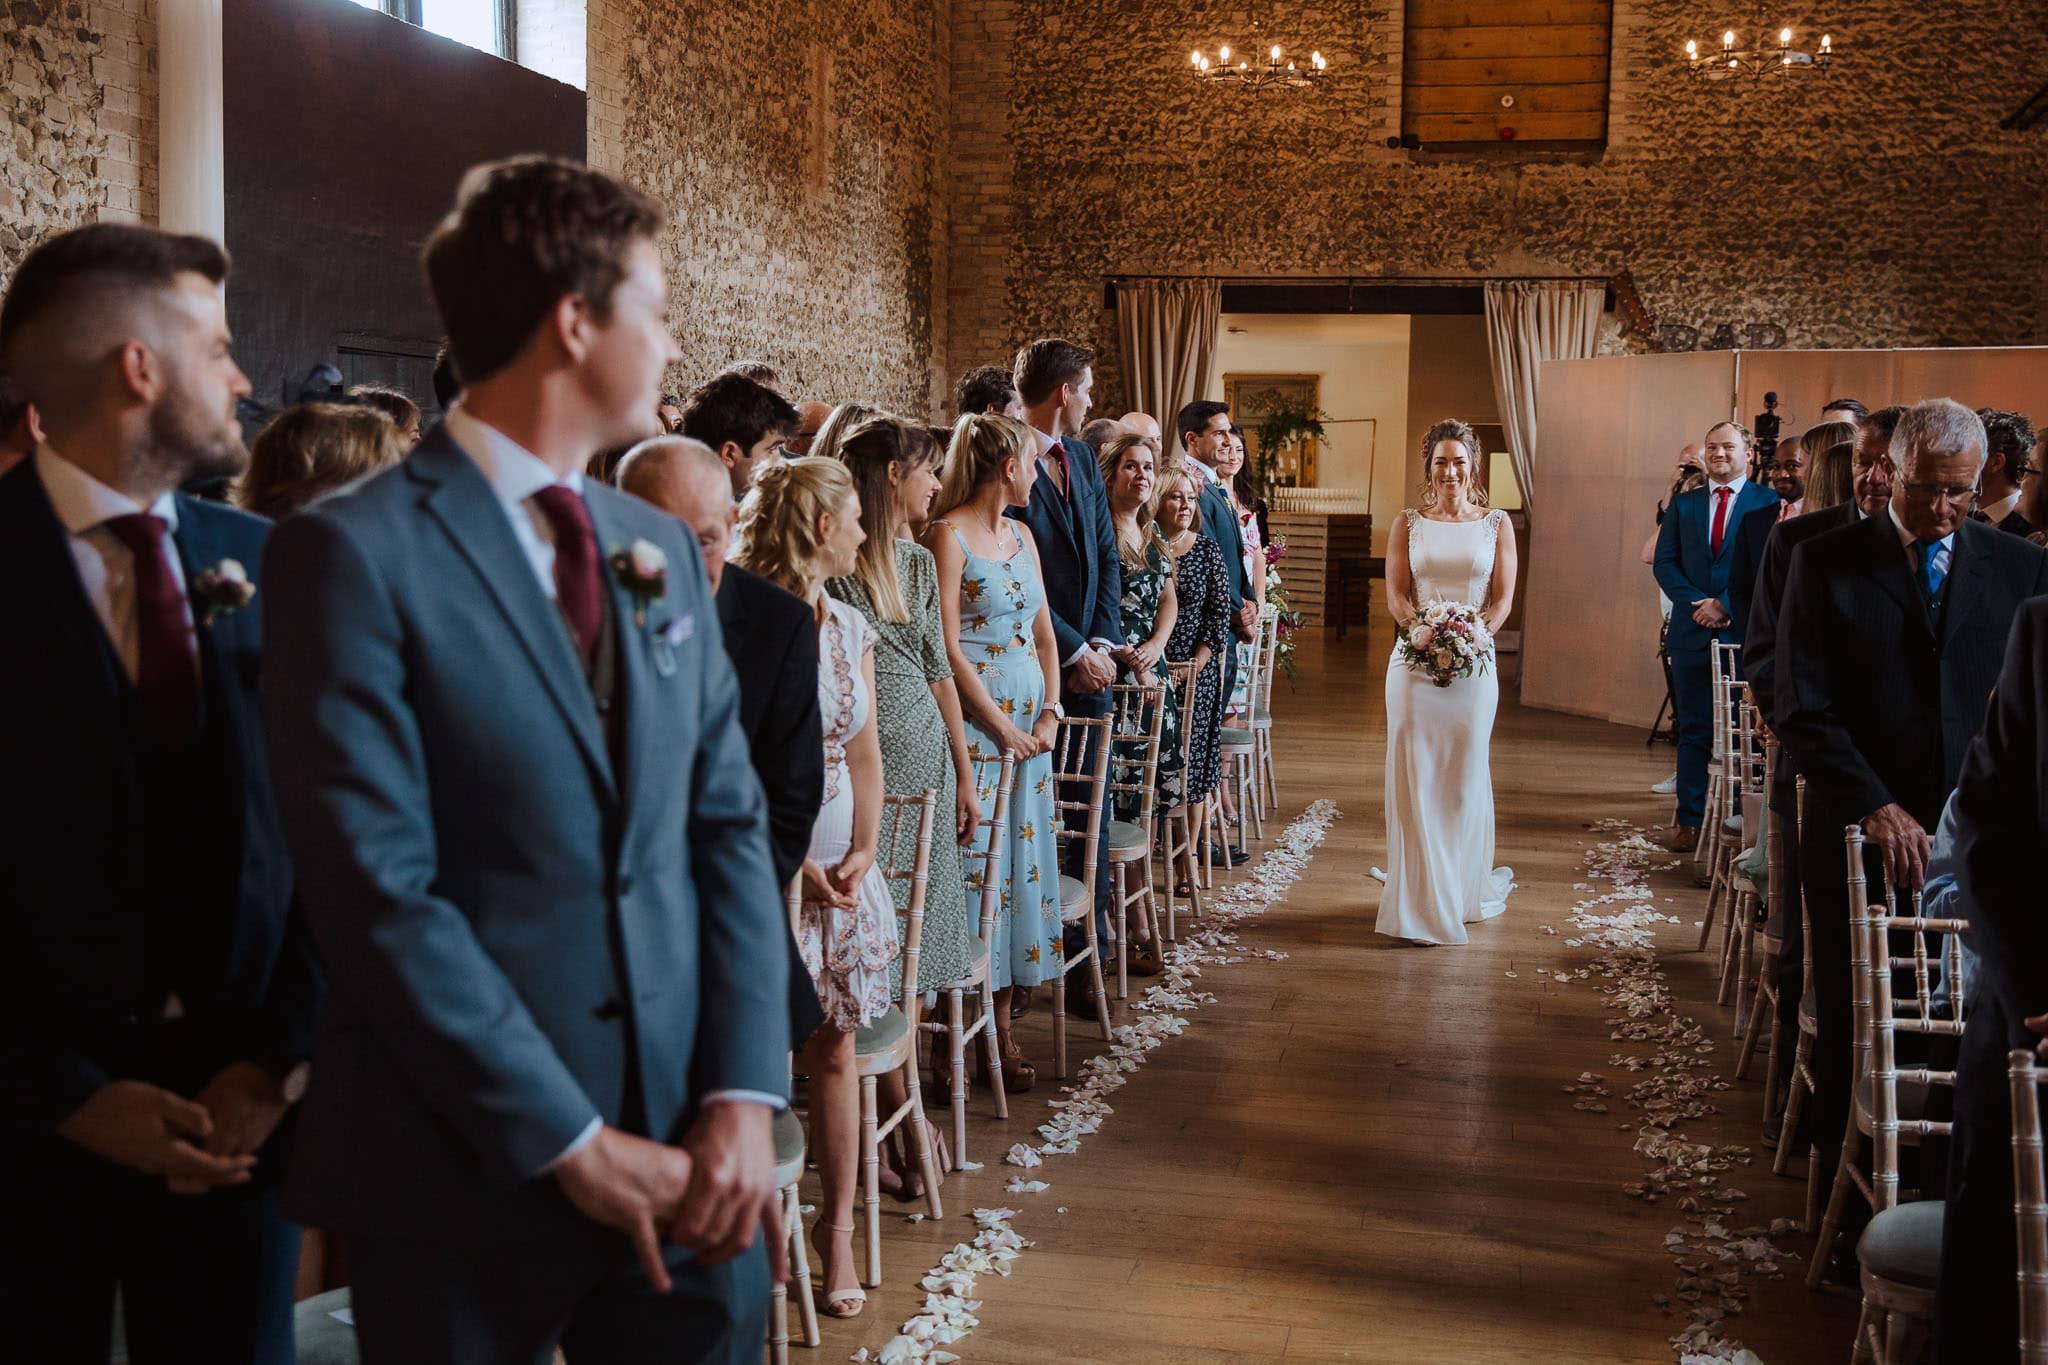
(1400, 578)
(967, 804)
(1045, 727)
(1500, 596)
(864, 768)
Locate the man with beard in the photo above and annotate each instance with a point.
(157, 990)
(1693, 559)
(1788, 481)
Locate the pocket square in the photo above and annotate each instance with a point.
(679, 630)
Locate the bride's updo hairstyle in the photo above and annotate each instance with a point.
(1450, 429)
(779, 536)
(982, 444)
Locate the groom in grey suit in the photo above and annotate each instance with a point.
(533, 850)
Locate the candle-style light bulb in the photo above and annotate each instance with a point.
(1827, 42)
(1317, 59)
(1784, 37)
(1692, 50)
(1194, 59)
(1728, 41)
(1223, 53)
(1276, 52)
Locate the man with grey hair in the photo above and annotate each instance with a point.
(772, 639)
(1889, 641)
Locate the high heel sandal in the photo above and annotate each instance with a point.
(912, 1176)
(837, 1303)
(1018, 1075)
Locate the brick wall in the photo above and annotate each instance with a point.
(1883, 209)
(799, 147)
(77, 117)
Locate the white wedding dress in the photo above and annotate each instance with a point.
(1440, 874)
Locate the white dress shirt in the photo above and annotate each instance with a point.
(1910, 542)
(1998, 511)
(106, 566)
(515, 474)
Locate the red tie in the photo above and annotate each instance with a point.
(168, 674)
(577, 578)
(1065, 482)
(1720, 516)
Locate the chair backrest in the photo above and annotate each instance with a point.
(1266, 660)
(1139, 711)
(1895, 1008)
(1719, 694)
(982, 859)
(1752, 766)
(905, 855)
(2030, 1204)
(1080, 765)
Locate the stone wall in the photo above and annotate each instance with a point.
(800, 149)
(1883, 208)
(77, 117)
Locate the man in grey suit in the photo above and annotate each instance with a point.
(534, 853)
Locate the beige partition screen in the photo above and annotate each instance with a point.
(1608, 436)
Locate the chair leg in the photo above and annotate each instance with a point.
(800, 1267)
(1795, 1101)
(956, 1038)
(1731, 936)
(1267, 766)
(1772, 1080)
(1859, 1350)
(1707, 924)
(1752, 1024)
(1059, 1024)
(995, 1063)
(1838, 1203)
(1123, 931)
(1095, 978)
(871, 1177)
(927, 1159)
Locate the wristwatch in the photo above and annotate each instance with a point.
(1054, 707)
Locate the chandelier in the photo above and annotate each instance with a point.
(1759, 59)
(1274, 71)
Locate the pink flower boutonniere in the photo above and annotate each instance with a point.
(221, 589)
(643, 572)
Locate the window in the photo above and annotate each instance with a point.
(487, 25)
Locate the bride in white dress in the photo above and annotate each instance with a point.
(1440, 874)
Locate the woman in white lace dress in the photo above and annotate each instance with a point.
(1440, 874)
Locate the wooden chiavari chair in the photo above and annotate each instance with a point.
(1761, 1021)
(1900, 1250)
(2030, 1204)
(1742, 895)
(1178, 824)
(1884, 1112)
(1240, 742)
(1800, 1086)
(889, 1043)
(982, 860)
(1728, 777)
(1080, 779)
(1263, 769)
(790, 1154)
(1138, 711)
(1723, 659)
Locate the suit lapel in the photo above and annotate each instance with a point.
(1968, 549)
(34, 549)
(461, 500)
(1892, 572)
(635, 679)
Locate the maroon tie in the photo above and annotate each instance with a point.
(1721, 496)
(168, 674)
(578, 580)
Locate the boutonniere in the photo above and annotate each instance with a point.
(643, 572)
(221, 589)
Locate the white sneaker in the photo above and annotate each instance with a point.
(1668, 787)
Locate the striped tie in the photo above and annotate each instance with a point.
(1934, 559)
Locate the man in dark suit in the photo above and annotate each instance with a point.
(1889, 638)
(1873, 491)
(1745, 562)
(2001, 824)
(2009, 438)
(1694, 550)
(1069, 517)
(533, 850)
(772, 639)
(157, 990)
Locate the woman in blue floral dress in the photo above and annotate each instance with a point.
(999, 639)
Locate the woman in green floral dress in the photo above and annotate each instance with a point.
(1149, 606)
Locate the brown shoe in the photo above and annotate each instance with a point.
(1683, 839)
(1145, 960)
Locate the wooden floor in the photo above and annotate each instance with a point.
(1365, 1152)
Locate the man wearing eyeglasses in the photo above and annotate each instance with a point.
(1889, 643)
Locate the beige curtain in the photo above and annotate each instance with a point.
(1166, 330)
(1527, 323)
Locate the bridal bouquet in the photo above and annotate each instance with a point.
(1446, 641)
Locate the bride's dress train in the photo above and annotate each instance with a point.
(1440, 874)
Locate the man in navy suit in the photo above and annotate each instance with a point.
(1694, 552)
(534, 852)
(157, 991)
(1069, 517)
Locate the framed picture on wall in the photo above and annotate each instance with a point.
(1255, 397)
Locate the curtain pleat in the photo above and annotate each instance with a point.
(1527, 323)
(1166, 331)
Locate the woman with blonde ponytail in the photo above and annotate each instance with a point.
(801, 524)
(1005, 662)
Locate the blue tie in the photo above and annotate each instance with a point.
(1934, 558)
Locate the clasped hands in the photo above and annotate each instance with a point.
(201, 1144)
(1709, 612)
(837, 885)
(713, 1194)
